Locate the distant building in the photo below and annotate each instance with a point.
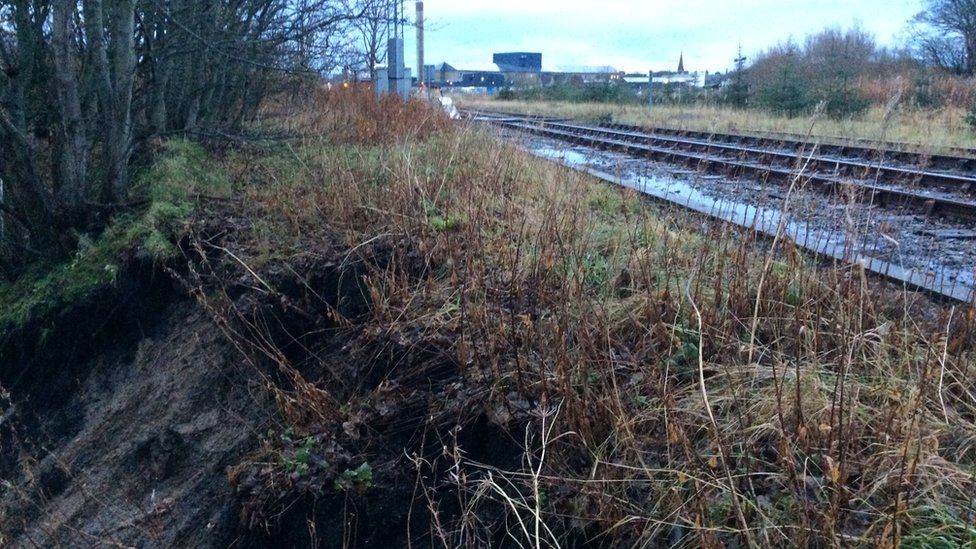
(446, 74)
(430, 74)
(717, 80)
(680, 76)
(577, 75)
(518, 62)
(674, 80)
(523, 70)
(482, 79)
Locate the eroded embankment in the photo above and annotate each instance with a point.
(214, 405)
(420, 335)
(121, 413)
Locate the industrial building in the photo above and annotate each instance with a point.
(518, 62)
(483, 79)
(446, 74)
(581, 76)
(524, 69)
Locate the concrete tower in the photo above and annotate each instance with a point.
(421, 76)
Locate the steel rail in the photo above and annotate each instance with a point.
(767, 223)
(855, 148)
(758, 166)
(812, 156)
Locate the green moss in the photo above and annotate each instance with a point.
(181, 172)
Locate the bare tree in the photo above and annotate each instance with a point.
(84, 83)
(841, 54)
(374, 30)
(793, 80)
(945, 35)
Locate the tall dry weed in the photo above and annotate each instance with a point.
(665, 380)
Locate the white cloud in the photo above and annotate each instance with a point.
(638, 35)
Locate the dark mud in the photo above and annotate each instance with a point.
(151, 415)
(120, 419)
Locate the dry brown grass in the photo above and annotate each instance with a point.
(932, 130)
(658, 391)
(951, 91)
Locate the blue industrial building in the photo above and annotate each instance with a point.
(518, 62)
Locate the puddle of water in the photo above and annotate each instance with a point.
(567, 156)
(767, 220)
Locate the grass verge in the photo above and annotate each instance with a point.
(168, 194)
(662, 380)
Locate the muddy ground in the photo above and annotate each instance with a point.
(120, 419)
(139, 418)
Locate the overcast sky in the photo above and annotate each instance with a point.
(639, 35)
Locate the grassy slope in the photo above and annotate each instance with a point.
(668, 382)
(181, 172)
(929, 130)
(842, 413)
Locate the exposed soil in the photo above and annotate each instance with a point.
(156, 427)
(119, 425)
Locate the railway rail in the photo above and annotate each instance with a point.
(939, 193)
(877, 183)
(951, 159)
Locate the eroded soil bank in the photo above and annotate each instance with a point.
(215, 406)
(400, 332)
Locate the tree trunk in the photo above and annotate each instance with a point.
(971, 55)
(119, 146)
(73, 165)
(113, 87)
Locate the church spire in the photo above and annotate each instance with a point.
(681, 63)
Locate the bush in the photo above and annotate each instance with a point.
(579, 93)
(788, 98)
(924, 95)
(506, 94)
(971, 117)
(844, 102)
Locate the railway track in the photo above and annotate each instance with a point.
(889, 185)
(878, 183)
(952, 159)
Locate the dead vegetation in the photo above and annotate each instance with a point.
(539, 360)
(471, 347)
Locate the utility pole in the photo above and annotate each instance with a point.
(396, 76)
(650, 89)
(739, 94)
(421, 73)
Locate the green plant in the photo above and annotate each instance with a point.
(441, 223)
(596, 271)
(171, 186)
(359, 479)
(844, 101)
(971, 117)
(793, 295)
(506, 94)
(300, 461)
